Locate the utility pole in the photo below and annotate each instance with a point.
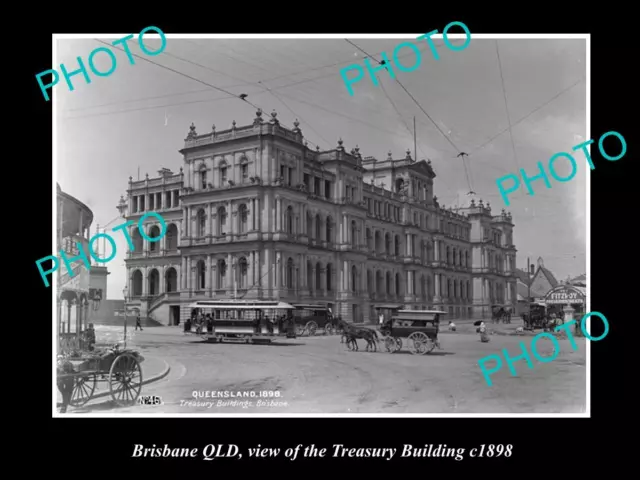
(529, 278)
(415, 143)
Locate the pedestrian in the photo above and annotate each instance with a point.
(65, 382)
(484, 338)
(381, 319)
(90, 336)
(138, 324)
(452, 326)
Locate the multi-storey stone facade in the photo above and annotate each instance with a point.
(256, 214)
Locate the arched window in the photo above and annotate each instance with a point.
(289, 220)
(370, 286)
(137, 240)
(387, 244)
(310, 231)
(309, 275)
(423, 287)
(378, 241)
(369, 239)
(388, 283)
(379, 282)
(172, 237)
(201, 272)
(448, 256)
(242, 272)
(398, 285)
(222, 273)
(329, 229)
(222, 221)
(318, 228)
(171, 280)
(329, 277)
(354, 234)
(243, 216)
(154, 282)
(223, 173)
(136, 280)
(318, 277)
(290, 273)
(203, 179)
(154, 232)
(201, 222)
(397, 245)
(354, 279)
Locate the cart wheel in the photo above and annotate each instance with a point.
(328, 329)
(83, 390)
(390, 344)
(311, 327)
(418, 343)
(125, 379)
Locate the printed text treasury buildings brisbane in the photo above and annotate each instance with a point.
(256, 214)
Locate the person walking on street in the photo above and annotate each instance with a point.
(138, 324)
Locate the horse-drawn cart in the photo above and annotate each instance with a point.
(419, 327)
(120, 369)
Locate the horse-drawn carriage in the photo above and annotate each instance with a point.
(419, 327)
(501, 313)
(119, 368)
(308, 319)
(541, 315)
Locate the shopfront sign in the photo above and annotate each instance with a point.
(564, 296)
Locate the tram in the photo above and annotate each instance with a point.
(232, 321)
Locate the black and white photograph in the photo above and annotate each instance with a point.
(320, 225)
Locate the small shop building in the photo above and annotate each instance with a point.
(570, 298)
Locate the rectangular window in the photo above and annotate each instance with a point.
(223, 176)
(203, 180)
(245, 172)
(327, 189)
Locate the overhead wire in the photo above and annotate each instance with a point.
(506, 107)
(405, 124)
(460, 153)
(563, 91)
(243, 84)
(195, 79)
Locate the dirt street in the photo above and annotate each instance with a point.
(319, 375)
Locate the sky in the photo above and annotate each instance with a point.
(136, 119)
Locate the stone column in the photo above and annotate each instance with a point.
(437, 297)
(207, 276)
(278, 214)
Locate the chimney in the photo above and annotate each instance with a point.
(532, 269)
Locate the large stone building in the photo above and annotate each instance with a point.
(256, 214)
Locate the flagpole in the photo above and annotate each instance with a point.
(415, 148)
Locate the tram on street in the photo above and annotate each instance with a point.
(237, 321)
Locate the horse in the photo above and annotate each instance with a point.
(351, 333)
(496, 314)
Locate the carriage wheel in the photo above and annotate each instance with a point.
(83, 389)
(399, 343)
(418, 343)
(125, 379)
(391, 344)
(311, 327)
(328, 329)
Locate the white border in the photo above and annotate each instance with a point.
(586, 414)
